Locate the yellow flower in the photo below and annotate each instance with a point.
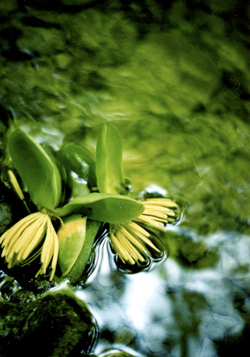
(131, 240)
(32, 236)
(15, 184)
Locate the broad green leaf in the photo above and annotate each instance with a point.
(71, 238)
(37, 170)
(104, 207)
(76, 240)
(109, 172)
(80, 160)
(80, 264)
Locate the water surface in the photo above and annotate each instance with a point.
(174, 79)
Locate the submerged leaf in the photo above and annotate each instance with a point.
(104, 207)
(38, 172)
(76, 239)
(109, 160)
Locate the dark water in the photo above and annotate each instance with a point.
(174, 78)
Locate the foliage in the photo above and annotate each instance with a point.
(37, 170)
(76, 238)
(109, 160)
(104, 207)
(40, 174)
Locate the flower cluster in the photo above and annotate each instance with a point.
(98, 194)
(130, 240)
(32, 236)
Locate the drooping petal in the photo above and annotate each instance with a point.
(28, 236)
(133, 252)
(119, 248)
(15, 184)
(131, 240)
(49, 250)
(9, 238)
(138, 229)
(34, 240)
(32, 236)
(149, 221)
(144, 238)
(158, 212)
(165, 202)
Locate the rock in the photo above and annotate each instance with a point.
(54, 325)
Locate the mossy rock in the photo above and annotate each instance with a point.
(54, 325)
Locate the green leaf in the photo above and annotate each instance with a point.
(104, 207)
(109, 160)
(78, 185)
(71, 238)
(80, 160)
(76, 240)
(37, 170)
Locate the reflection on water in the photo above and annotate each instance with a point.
(172, 310)
(174, 79)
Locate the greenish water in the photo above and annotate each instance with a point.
(174, 79)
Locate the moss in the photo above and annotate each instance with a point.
(54, 325)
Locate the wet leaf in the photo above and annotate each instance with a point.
(80, 160)
(76, 242)
(104, 207)
(71, 240)
(78, 186)
(38, 172)
(109, 160)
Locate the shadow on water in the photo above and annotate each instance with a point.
(174, 78)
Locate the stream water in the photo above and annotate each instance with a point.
(174, 79)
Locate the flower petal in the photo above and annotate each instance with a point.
(11, 236)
